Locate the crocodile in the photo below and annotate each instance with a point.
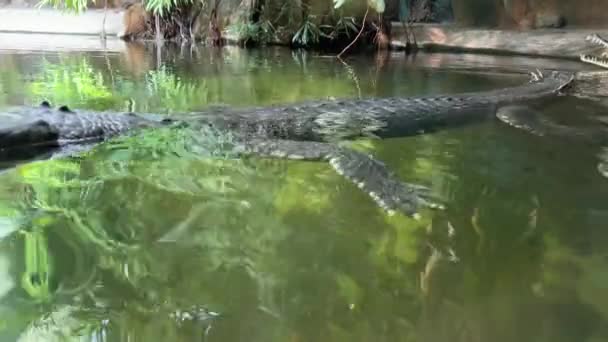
(303, 131)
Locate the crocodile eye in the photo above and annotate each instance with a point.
(45, 104)
(64, 109)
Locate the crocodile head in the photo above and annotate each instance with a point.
(602, 60)
(559, 82)
(29, 129)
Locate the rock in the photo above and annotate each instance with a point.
(548, 20)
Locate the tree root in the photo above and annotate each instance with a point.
(358, 35)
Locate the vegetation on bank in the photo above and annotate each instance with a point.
(327, 24)
(323, 23)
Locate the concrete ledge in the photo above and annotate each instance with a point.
(58, 42)
(51, 21)
(562, 43)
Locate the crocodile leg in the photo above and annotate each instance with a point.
(369, 174)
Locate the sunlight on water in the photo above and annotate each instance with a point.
(164, 236)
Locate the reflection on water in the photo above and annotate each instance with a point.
(145, 238)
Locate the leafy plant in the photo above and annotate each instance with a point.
(74, 84)
(260, 33)
(309, 33)
(346, 26)
(288, 12)
(163, 7)
(170, 90)
(76, 6)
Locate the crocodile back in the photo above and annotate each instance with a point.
(539, 86)
(402, 116)
(85, 126)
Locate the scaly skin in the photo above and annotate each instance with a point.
(310, 121)
(303, 131)
(45, 126)
(327, 121)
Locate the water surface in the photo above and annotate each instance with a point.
(108, 245)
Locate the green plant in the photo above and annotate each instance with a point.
(170, 90)
(288, 12)
(344, 25)
(76, 6)
(73, 83)
(309, 33)
(164, 7)
(260, 33)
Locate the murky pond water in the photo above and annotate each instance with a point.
(113, 244)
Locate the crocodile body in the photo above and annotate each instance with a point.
(383, 118)
(302, 131)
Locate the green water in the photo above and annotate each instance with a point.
(105, 246)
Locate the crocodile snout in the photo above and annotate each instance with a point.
(38, 132)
